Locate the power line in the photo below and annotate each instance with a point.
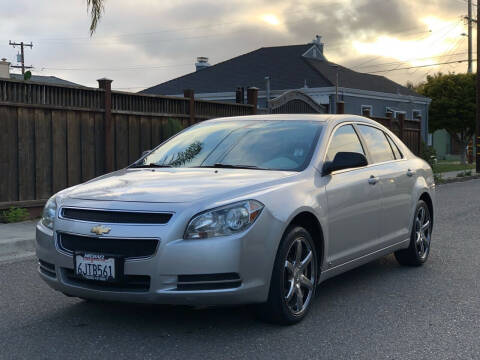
(448, 27)
(419, 66)
(444, 34)
(136, 67)
(78, 40)
(402, 62)
(154, 67)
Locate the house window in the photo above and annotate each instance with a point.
(416, 114)
(393, 112)
(367, 110)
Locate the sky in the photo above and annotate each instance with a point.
(141, 43)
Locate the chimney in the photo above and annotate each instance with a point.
(202, 63)
(4, 69)
(318, 41)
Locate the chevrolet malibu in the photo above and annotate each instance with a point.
(251, 210)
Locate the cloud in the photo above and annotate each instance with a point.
(160, 40)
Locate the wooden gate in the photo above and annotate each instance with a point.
(295, 102)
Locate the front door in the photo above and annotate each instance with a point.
(354, 203)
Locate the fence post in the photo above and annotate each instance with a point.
(190, 94)
(239, 95)
(106, 84)
(419, 141)
(340, 107)
(252, 98)
(390, 120)
(401, 119)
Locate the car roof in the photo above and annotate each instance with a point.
(330, 119)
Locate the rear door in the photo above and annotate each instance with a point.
(396, 182)
(354, 202)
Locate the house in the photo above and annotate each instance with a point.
(51, 80)
(276, 70)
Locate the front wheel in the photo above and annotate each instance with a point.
(293, 282)
(421, 236)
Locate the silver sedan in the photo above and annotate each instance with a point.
(257, 209)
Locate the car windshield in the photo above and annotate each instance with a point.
(272, 145)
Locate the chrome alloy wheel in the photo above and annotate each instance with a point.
(422, 232)
(299, 276)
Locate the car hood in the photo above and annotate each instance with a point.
(174, 185)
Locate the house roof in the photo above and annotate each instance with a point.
(53, 80)
(285, 66)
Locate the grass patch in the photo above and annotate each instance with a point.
(15, 214)
(451, 166)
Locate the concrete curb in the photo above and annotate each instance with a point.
(459, 179)
(17, 241)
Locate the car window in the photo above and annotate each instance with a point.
(396, 151)
(377, 144)
(273, 145)
(345, 139)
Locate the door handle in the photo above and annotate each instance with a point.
(372, 180)
(410, 172)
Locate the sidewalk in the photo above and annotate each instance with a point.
(17, 240)
(451, 176)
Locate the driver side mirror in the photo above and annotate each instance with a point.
(344, 160)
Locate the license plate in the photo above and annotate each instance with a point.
(95, 267)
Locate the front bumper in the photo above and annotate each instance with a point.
(248, 256)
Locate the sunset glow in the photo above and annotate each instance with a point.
(424, 48)
(270, 19)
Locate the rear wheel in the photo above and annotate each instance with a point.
(419, 249)
(293, 281)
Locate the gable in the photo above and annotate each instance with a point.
(314, 53)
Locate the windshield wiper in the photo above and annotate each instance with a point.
(151, 165)
(230, 166)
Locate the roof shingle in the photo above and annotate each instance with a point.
(287, 69)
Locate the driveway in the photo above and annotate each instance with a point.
(378, 311)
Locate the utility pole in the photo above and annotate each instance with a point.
(469, 36)
(22, 55)
(477, 133)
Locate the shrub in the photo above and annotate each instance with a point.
(428, 153)
(15, 214)
(438, 178)
(464, 173)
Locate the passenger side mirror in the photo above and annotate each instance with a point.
(344, 160)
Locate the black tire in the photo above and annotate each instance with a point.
(276, 310)
(413, 256)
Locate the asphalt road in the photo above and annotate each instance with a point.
(378, 311)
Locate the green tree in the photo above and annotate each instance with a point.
(453, 106)
(95, 8)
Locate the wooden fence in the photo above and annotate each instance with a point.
(408, 130)
(53, 137)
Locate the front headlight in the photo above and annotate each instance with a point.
(49, 212)
(225, 220)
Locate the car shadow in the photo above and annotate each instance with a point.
(369, 281)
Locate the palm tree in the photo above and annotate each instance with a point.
(95, 7)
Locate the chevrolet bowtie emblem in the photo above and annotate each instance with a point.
(100, 230)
